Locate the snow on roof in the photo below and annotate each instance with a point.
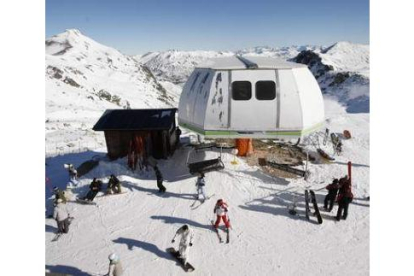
(233, 62)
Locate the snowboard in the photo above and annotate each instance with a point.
(84, 201)
(108, 194)
(307, 209)
(187, 267)
(315, 206)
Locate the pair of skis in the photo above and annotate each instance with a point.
(310, 196)
(58, 235)
(218, 233)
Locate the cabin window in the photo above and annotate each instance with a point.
(265, 90)
(241, 90)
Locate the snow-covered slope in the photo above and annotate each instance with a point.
(83, 78)
(342, 71)
(265, 238)
(176, 66)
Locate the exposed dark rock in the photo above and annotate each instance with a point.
(71, 82)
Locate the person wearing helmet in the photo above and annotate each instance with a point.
(61, 215)
(221, 209)
(59, 194)
(331, 196)
(200, 184)
(114, 185)
(186, 240)
(115, 267)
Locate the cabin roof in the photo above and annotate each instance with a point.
(236, 62)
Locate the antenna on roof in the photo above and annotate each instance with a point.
(249, 64)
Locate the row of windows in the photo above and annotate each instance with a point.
(242, 90)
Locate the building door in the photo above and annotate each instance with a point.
(253, 103)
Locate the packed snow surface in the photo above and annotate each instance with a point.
(265, 238)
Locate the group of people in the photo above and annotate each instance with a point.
(187, 234)
(339, 190)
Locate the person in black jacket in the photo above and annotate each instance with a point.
(331, 196)
(95, 187)
(344, 198)
(158, 174)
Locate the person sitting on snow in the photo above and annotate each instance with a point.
(200, 184)
(187, 236)
(59, 194)
(115, 267)
(61, 215)
(94, 187)
(114, 185)
(221, 210)
(331, 196)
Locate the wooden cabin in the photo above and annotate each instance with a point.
(139, 134)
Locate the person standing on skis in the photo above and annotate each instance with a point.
(221, 210)
(200, 184)
(186, 240)
(331, 196)
(344, 198)
(61, 215)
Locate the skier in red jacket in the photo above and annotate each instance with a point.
(221, 210)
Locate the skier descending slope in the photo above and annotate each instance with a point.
(221, 210)
(200, 184)
(187, 236)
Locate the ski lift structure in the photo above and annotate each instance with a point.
(260, 98)
(204, 166)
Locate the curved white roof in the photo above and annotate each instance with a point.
(235, 62)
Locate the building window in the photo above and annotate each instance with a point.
(265, 90)
(241, 90)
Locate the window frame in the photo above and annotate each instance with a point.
(232, 91)
(256, 90)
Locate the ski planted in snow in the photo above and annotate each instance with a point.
(217, 232)
(56, 237)
(315, 206)
(307, 209)
(227, 235)
(187, 267)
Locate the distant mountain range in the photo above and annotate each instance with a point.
(84, 78)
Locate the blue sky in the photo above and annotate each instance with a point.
(137, 27)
